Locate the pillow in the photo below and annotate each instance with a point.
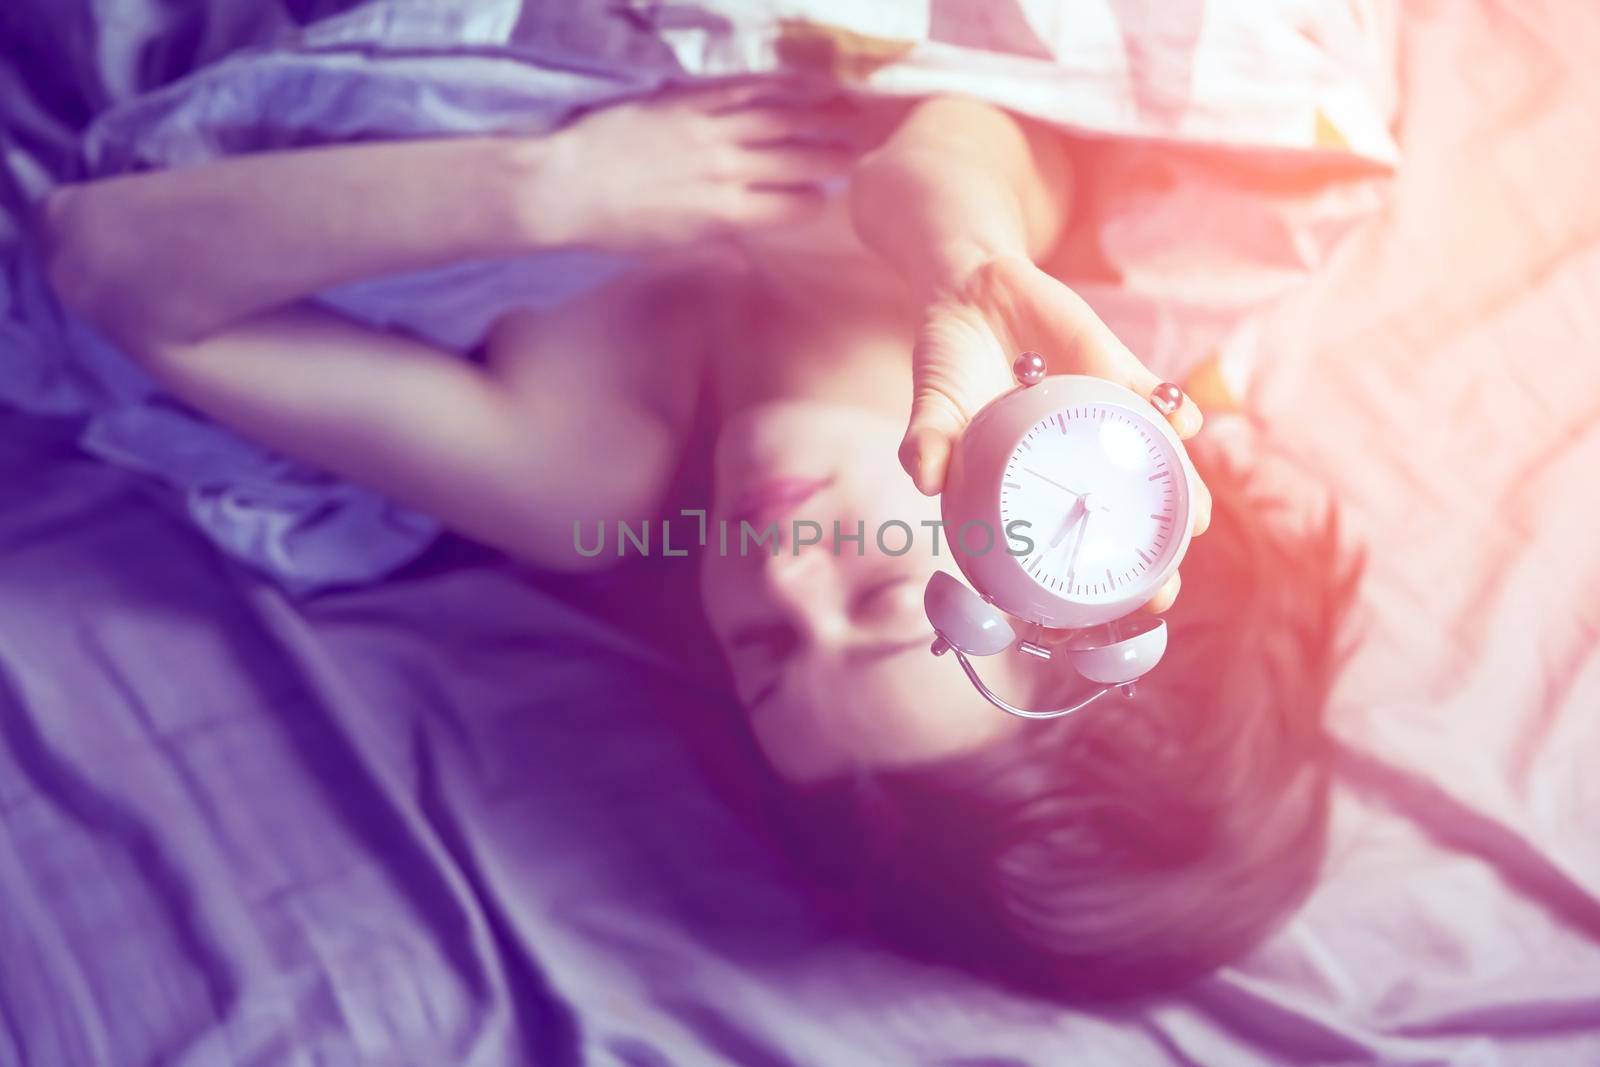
(1305, 75)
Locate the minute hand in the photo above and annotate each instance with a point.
(1052, 481)
(1072, 560)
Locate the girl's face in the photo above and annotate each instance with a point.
(827, 642)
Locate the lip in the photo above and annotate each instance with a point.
(775, 498)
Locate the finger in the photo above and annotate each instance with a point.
(1187, 420)
(1201, 502)
(958, 365)
(1092, 347)
(1105, 354)
(936, 423)
(756, 92)
(793, 164)
(779, 205)
(826, 124)
(1165, 595)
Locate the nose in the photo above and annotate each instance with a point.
(799, 586)
(788, 574)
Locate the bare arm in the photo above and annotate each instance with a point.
(174, 256)
(511, 452)
(958, 184)
(201, 274)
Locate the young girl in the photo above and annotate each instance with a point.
(1112, 852)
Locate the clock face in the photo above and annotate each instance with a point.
(1100, 491)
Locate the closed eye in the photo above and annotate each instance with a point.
(761, 695)
(762, 648)
(881, 600)
(775, 639)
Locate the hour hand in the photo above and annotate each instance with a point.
(1078, 513)
(1072, 560)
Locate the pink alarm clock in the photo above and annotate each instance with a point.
(1067, 505)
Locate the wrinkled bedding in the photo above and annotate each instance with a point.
(452, 819)
(1440, 379)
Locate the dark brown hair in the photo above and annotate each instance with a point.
(1147, 840)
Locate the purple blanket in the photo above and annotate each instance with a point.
(447, 820)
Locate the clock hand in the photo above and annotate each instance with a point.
(1052, 481)
(1077, 514)
(1072, 560)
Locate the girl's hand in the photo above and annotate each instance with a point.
(694, 165)
(963, 357)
